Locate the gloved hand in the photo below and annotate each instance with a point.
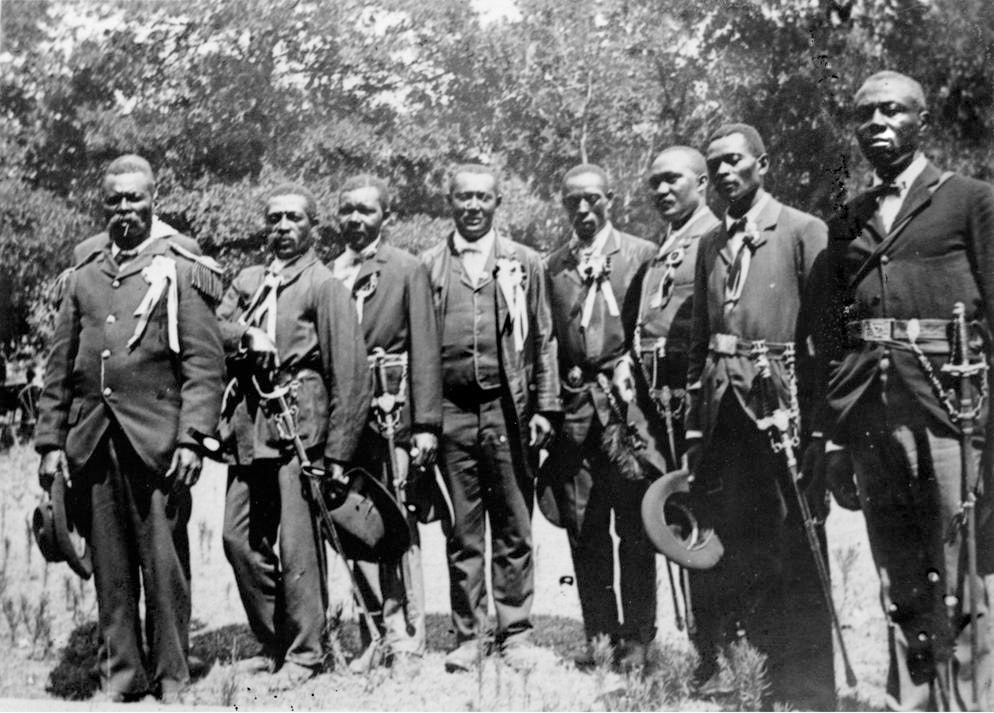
(539, 431)
(260, 349)
(51, 463)
(424, 447)
(623, 381)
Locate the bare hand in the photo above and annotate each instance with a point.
(52, 463)
(336, 471)
(185, 468)
(623, 381)
(539, 431)
(424, 446)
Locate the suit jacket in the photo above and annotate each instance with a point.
(529, 377)
(583, 353)
(786, 248)
(944, 253)
(398, 317)
(93, 376)
(320, 344)
(674, 317)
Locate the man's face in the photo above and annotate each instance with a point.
(677, 189)
(289, 226)
(889, 124)
(735, 170)
(586, 198)
(128, 208)
(473, 200)
(360, 216)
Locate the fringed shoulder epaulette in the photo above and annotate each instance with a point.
(208, 275)
(57, 289)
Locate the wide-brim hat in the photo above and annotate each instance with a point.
(55, 532)
(370, 522)
(673, 528)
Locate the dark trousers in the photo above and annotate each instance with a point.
(910, 488)
(285, 595)
(136, 529)
(483, 482)
(593, 488)
(766, 585)
(397, 608)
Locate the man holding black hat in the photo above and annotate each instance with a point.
(133, 378)
(293, 316)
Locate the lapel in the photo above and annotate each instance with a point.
(766, 222)
(502, 249)
(918, 195)
(294, 270)
(371, 266)
(568, 264)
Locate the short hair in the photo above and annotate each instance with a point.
(368, 180)
(753, 140)
(695, 159)
(476, 169)
(131, 163)
(585, 168)
(294, 189)
(888, 76)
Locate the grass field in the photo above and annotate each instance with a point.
(47, 630)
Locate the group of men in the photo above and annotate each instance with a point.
(480, 355)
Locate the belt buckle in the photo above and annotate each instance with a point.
(875, 330)
(726, 343)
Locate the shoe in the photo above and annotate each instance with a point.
(634, 655)
(600, 648)
(465, 656)
(405, 665)
(290, 676)
(171, 692)
(370, 658)
(259, 663)
(196, 665)
(522, 655)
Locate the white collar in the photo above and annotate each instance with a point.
(366, 253)
(752, 213)
(483, 245)
(905, 178)
(595, 246)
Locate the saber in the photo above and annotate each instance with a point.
(279, 411)
(388, 408)
(777, 423)
(964, 371)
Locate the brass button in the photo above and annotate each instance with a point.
(115, 283)
(884, 260)
(105, 354)
(108, 391)
(111, 319)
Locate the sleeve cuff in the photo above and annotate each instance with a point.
(690, 434)
(833, 446)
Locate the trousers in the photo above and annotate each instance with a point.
(273, 542)
(765, 587)
(136, 529)
(910, 481)
(484, 483)
(593, 488)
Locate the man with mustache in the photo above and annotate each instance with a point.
(394, 303)
(751, 273)
(901, 255)
(591, 278)
(134, 376)
(290, 314)
(500, 396)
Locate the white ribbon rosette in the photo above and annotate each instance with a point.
(161, 278)
(596, 271)
(511, 278)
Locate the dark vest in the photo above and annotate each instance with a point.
(470, 358)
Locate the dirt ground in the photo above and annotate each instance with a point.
(48, 631)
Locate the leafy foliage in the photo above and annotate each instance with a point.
(227, 96)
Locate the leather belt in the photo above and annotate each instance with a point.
(882, 329)
(733, 345)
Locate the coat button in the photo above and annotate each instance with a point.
(105, 354)
(115, 283)
(111, 319)
(108, 391)
(884, 260)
